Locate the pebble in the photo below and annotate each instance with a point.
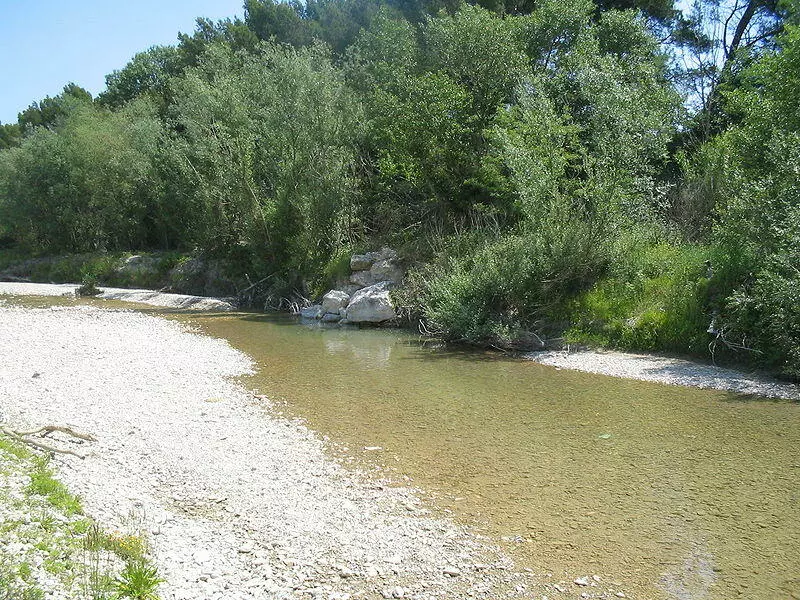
(149, 375)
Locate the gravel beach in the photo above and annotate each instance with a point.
(150, 297)
(239, 503)
(669, 370)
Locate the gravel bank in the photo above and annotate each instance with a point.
(153, 298)
(672, 371)
(239, 503)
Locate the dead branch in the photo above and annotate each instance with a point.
(24, 438)
(47, 429)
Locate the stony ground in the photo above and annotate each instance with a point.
(238, 502)
(669, 370)
(150, 297)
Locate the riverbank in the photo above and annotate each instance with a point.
(238, 502)
(668, 370)
(627, 365)
(149, 297)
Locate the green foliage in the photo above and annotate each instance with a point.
(10, 135)
(88, 287)
(138, 581)
(518, 283)
(43, 483)
(480, 52)
(148, 73)
(656, 297)
(520, 146)
(765, 314)
(89, 186)
(750, 176)
(265, 173)
(49, 112)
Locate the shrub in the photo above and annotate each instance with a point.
(521, 282)
(764, 315)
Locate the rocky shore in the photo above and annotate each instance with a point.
(149, 297)
(364, 297)
(668, 370)
(238, 502)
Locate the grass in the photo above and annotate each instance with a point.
(43, 483)
(657, 299)
(55, 538)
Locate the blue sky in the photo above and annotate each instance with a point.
(48, 43)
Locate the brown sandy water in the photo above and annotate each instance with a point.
(672, 492)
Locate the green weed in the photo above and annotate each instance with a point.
(43, 483)
(138, 581)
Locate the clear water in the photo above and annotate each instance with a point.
(673, 492)
(676, 492)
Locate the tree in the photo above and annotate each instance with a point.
(265, 171)
(715, 43)
(147, 73)
(10, 135)
(49, 111)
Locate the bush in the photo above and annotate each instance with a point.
(764, 315)
(655, 298)
(521, 282)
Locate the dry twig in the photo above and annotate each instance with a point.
(24, 437)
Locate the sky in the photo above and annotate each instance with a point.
(48, 43)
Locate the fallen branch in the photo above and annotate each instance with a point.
(67, 430)
(23, 437)
(252, 285)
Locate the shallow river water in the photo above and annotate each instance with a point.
(672, 492)
(677, 492)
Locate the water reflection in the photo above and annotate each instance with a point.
(363, 356)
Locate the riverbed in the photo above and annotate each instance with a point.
(672, 492)
(679, 492)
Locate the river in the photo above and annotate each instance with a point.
(675, 493)
(678, 492)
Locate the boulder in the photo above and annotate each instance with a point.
(331, 318)
(386, 270)
(334, 300)
(382, 267)
(138, 265)
(351, 288)
(371, 305)
(360, 262)
(384, 253)
(363, 279)
(311, 312)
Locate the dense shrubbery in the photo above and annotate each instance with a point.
(532, 163)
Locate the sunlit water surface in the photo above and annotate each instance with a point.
(673, 492)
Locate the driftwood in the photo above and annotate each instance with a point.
(24, 438)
